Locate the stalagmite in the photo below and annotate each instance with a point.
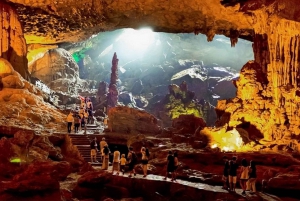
(113, 93)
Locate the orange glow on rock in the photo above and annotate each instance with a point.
(232, 140)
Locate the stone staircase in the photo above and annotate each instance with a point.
(82, 142)
(93, 128)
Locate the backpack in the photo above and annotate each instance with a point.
(77, 120)
(106, 150)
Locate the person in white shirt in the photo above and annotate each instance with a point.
(116, 161)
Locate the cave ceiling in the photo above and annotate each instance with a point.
(57, 21)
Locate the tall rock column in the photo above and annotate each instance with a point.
(12, 42)
(113, 93)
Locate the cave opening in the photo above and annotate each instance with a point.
(149, 62)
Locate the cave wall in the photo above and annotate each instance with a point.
(12, 42)
(268, 93)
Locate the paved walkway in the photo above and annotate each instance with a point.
(217, 189)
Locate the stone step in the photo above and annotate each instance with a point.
(92, 126)
(82, 142)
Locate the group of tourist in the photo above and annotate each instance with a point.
(246, 174)
(119, 160)
(79, 117)
(103, 148)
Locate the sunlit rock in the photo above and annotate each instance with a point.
(23, 105)
(231, 140)
(132, 121)
(12, 42)
(5, 68)
(54, 65)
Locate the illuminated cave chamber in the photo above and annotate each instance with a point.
(262, 116)
(150, 61)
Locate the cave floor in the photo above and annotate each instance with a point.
(205, 187)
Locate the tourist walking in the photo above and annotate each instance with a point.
(105, 122)
(106, 152)
(170, 165)
(233, 166)
(252, 177)
(77, 121)
(176, 164)
(86, 116)
(123, 163)
(244, 175)
(102, 144)
(94, 150)
(90, 116)
(132, 159)
(225, 173)
(82, 120)
(116, 161)
(145, 157)
(90, 105)
(70, 120)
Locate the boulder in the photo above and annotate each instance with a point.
(132, 121)
(55, 64)
(56, 140)
(23, 137)
(56, 170)
(286, 180)
(127, 99)
(187, 124)
(14, 81)
(94, 178)
(32, 184)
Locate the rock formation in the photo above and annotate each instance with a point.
(132, 121)
(113, 92)
(179, 101)
(55, 64)
(23, 104)
(12, 43)
(74, 21)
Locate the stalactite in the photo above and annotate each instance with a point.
(12, 43)
(234, 35)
